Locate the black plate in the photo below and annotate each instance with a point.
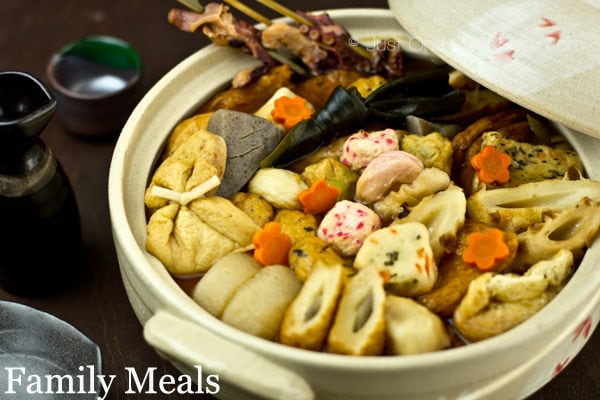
(34, 346)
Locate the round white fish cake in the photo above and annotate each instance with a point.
(259, 304)
(216, 288)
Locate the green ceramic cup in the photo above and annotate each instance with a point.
(96, 81)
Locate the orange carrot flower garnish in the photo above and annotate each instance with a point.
(290, 111)
(491, 165)
(485, 249)
(271, 245)
(320, 197)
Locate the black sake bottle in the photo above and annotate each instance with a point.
(40, 231)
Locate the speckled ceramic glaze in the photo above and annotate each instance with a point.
(541, 55)
(511, 365)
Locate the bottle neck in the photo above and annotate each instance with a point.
(22, 157)
(25, 169)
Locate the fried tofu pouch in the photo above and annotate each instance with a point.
(189, 239)
(184, 130)
(199, 157)
(496, 303)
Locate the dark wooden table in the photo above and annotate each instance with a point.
(29, 32)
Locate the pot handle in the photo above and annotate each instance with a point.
(186, 342)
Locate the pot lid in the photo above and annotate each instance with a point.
(544, 56)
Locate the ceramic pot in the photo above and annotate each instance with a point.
(511, 365)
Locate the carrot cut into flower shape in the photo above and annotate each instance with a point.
(289, 111)
(320, 197)
(485, 249)
(491, 165)
(271, 245)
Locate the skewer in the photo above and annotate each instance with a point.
(238, 5)
(283, 10)
(361, 51)
(285, 60)
(274, 5)
(193, 5)
(261, 18)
